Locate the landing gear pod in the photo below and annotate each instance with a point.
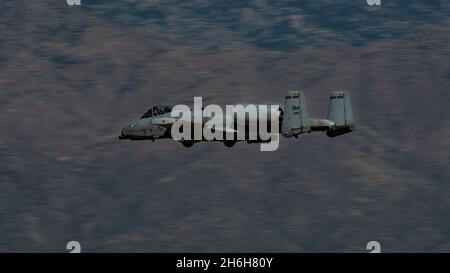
(229, 143)
(187, 143)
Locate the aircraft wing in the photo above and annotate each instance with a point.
(164, 122)
(224, 130)
(167, 122)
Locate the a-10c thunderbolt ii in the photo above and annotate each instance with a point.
(292, 116)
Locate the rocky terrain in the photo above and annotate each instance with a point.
(71, 77)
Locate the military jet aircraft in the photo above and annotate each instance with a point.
(292, 115)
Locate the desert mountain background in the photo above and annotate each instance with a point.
(71, 77)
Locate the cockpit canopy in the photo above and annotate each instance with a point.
(157, 110)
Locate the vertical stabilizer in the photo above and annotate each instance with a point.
(295, 116)
(340, 112)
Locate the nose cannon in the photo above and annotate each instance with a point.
(123, 135)
(127, 131)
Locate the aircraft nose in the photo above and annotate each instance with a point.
(122, 134)
(125, 132)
